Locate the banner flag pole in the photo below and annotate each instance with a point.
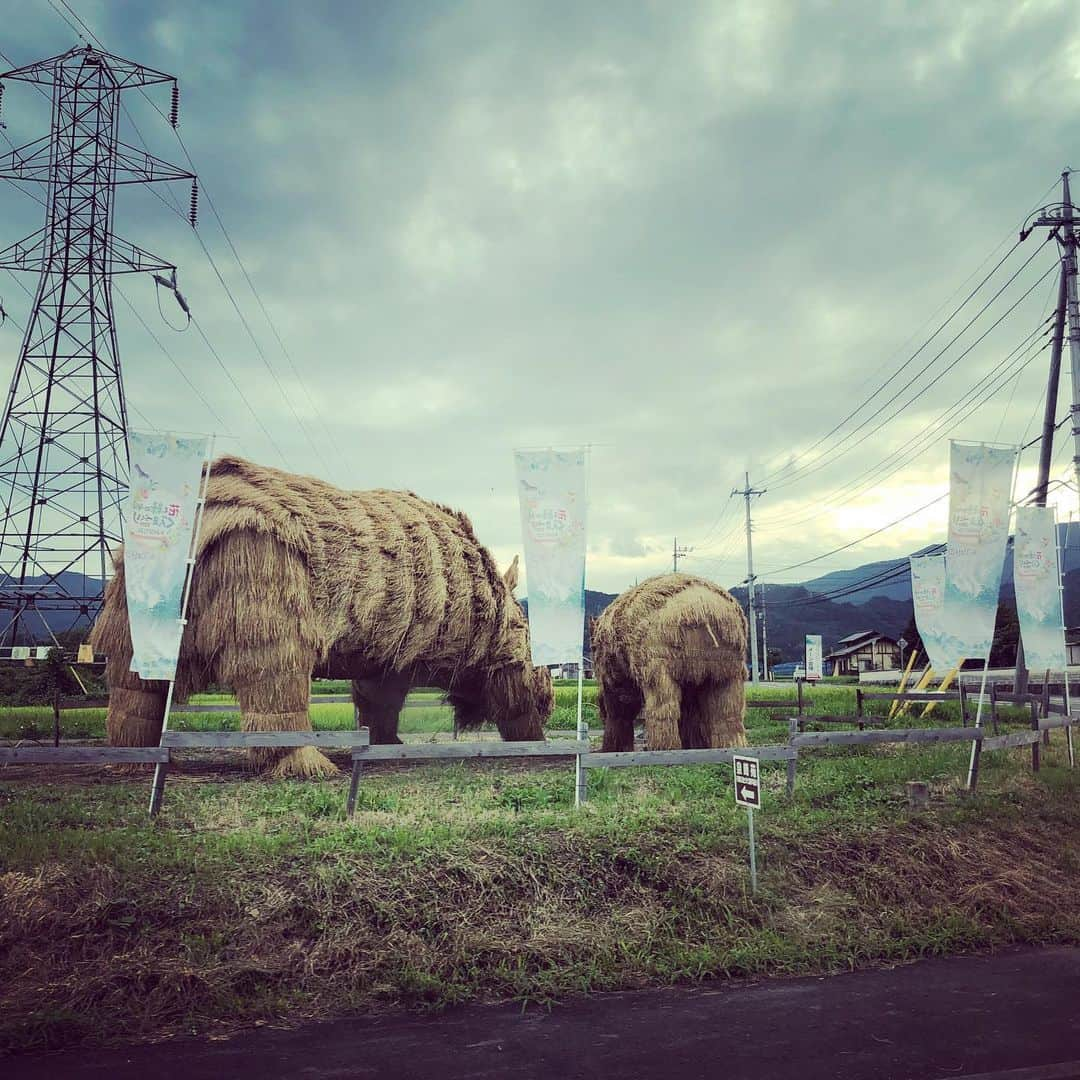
(158, 787)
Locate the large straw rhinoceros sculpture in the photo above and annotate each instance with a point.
(294, 576)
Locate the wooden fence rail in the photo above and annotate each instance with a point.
(358, 741)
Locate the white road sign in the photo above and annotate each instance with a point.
(813, 657)
(747, 782)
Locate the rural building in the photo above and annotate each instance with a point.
(865, 651)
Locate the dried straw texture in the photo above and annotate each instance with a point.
(674, 645)
(294, 575)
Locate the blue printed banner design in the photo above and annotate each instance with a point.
(1038, 589)
(552, 495)
(812, 655)
(166, 473)
(980, 493)
(928, 598)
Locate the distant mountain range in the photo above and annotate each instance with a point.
(791, 610)
(59, 620)
(884, 604)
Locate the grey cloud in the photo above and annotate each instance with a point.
(689, 234)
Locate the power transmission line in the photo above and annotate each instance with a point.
(818, 466)
(858, 540)
(863, 404)
(923, 440)
(779, 471)
(228, 292)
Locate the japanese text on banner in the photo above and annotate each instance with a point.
(980, 495)
(928, 599)
(1037, 578)
(552, 497)
(166, 473)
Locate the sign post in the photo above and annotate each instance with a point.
(748, 794)
(553, 499)
(163, 515)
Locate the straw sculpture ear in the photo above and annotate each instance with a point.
(511, 575)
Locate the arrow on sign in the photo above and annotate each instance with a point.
(748, 793)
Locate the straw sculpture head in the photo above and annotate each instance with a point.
(674, 647)
(294, 576)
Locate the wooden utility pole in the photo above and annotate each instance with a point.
(1046, 446)
(747, 492)
(1062, 220)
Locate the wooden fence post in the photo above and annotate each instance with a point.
(354, 785)
(793, 763)
(1035, 746)
(859, 706)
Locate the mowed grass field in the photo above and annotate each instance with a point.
(256, 901)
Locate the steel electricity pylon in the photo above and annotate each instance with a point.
(63, 437)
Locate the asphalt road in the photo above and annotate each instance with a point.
(1010, 1016)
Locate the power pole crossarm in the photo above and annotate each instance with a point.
(678, 553)
(747, 493)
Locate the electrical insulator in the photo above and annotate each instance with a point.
(193, 215)
(1, 99)
(174, 112)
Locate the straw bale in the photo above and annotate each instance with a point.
(295, 576)
(675, 647)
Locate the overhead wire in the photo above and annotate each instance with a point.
(202, 332)
(785, 471)
(820, 464)
(1013, 365)
(776, 473)
(247, 278)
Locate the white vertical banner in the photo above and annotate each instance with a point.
(980, 497)
(1037, 577)
(166, 477)
(812, 656)
(928, 599)
(552, 495)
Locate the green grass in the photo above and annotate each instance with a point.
(252, 900)
(427, 714)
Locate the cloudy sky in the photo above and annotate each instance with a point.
(696, 236)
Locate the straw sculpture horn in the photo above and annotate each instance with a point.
(294, 577)
(675, 647)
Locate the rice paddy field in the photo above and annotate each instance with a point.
(251, 901)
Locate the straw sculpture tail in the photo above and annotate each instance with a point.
(674, 646)
(294, 576)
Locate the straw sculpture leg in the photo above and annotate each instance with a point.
(723, 704)
(136, 707)
(379, 703)
(136, 712)
(663, 708)
(694, 718)
(280, 703)
(618, 712)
